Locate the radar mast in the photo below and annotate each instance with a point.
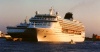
(51, 11)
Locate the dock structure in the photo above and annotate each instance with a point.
(2, 34)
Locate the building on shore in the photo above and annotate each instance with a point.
(94, 38)
(3, 34)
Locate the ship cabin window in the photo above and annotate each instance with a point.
(41, 18)
(41, 23)
(50, 18)
(77, 32)
(37, 24)
(44, 18)
(35, 18)
(32, 18)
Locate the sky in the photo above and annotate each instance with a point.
(13, 12)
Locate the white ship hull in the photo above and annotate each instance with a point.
(49, 35)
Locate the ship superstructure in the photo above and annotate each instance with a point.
(17, 31)
(52, 28)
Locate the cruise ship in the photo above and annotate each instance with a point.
(49, 28)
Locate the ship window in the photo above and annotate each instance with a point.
(36, 22)
(45, 18)
(41, 18)
(35, 18)
(50, 18)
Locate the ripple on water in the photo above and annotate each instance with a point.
(10, 46)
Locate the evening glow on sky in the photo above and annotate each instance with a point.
(13, 12)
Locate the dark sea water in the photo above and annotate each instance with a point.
(11, 46)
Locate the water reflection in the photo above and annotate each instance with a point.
(10, 46)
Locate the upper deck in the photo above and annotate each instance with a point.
(43, 18)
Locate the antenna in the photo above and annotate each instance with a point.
(25, 20)
(37, 12)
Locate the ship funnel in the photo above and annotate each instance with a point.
(69, 16)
